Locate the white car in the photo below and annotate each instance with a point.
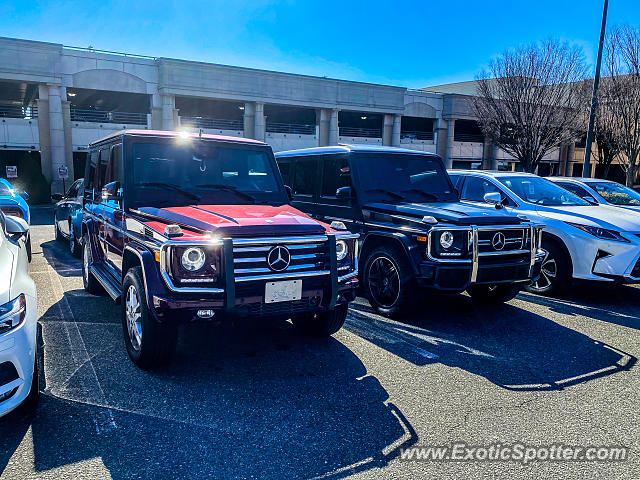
(582, 240)
(18, 319)
(602, 192)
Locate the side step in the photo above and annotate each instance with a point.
(107, 281)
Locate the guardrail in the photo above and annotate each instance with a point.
(361, 132)
(468, 137)
(213, 123)
(18, 111)
(416, 135)
(296, 128)
(98, 116)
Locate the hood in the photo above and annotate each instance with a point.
(6, 270)
(456, 213)
(605, 216)
(235, 220)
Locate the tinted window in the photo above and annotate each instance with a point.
(101, 170)
(475, 188)
(336, 174)
(305, 174)
(577, 189)
(616, 193)
(73, 190)
(114, 168)
(203, 172)
(90, 173)
(402, 178)
(541, 192)
(285, 171)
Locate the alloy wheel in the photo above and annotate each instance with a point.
(548, 273)
(384, 282)
(134, 317)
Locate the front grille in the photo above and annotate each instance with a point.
(250, 260)
(487, 260)
(502, 273)
(503, 240)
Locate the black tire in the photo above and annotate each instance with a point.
(389, 282)
(156, 342)
(323, 324)
(494, 294)
(91, 285)
(31, 402)
(59, 236)
(554, 275)
(74, 247)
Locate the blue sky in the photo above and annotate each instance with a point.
(412, 44)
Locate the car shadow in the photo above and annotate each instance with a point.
(57, 254)
(251, 400)
(612, 303)
(511, 347)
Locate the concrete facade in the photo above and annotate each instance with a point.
(59, 129)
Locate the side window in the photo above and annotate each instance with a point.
(285, 171)
(90, 173)
(305, 173)
(73, 190)
(114, 167)
(335, 174)
(577, 189)
(475, 188)
(101, 170)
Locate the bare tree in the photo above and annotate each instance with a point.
(623, 95)
(530, 100)
(604, 133)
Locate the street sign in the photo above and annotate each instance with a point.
(63, 172)
(12, 171)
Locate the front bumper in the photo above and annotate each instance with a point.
(17, 357)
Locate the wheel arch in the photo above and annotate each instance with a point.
(392, 239)
(550, 237)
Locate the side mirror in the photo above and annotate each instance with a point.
(343, 193)
(56, 197)
(15, 226)
(112, 192)
(494, 198)
(289, 192)
(25, 195)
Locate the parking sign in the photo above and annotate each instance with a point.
(63, 172)
(12, 171)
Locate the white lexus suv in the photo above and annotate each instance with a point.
(18, 319)
(581, 240)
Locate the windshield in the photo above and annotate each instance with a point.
(201, 172)
(541, 192)
(394, 178)
(616, 193)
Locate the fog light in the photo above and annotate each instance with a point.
(206, 313)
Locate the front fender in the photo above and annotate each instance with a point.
(408, 246)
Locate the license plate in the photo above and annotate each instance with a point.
(283, 291)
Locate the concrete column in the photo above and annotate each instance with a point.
(486, 154)
(571, 150)
(322, 120)
(448, 161)
(440, 137)
(387, 130)
(156, 112)
(44, 132)
(395, 135)
(334, 131)
(260, 122)
(493, 165)
(169, 112)
(68, 141)
(249, 120)
(56, 131)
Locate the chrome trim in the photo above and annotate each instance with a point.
(172, 287)
(284, 275)
(253, 241)
(267, 270)
(500, 252)
(348, 276)
(164, 251)
(474, 267)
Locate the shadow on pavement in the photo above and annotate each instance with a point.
(255, 400)
(511, 347)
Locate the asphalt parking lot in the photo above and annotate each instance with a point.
(255, 400)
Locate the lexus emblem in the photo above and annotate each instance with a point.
(278, 258)
(498, 241)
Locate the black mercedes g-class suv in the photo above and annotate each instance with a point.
(414, 231)
(182, 227)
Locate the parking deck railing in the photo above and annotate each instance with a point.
(295, 128)
(213, 123)
(18, 111)
(98, 116)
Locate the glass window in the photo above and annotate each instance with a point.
(616, 194)
(336, 174)
(577, 189)
(540, 191)
(475, 188)
(101, 170)
(285, 171)
(305, 174)
(114, 169)
(73, 189)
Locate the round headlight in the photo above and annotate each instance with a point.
(446, 239)
(341, 249)
(193, 259)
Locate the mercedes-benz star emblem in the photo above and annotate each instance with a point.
(498, 241)
(279, 258)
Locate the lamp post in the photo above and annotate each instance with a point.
(586, 169)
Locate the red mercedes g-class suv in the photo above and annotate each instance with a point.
(180, 227)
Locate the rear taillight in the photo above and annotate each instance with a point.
(12, 211)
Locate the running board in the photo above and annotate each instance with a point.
(110, 286)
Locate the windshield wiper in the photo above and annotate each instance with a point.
(228, 188)
(428, 195)
(387, 192)
(169, 186)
